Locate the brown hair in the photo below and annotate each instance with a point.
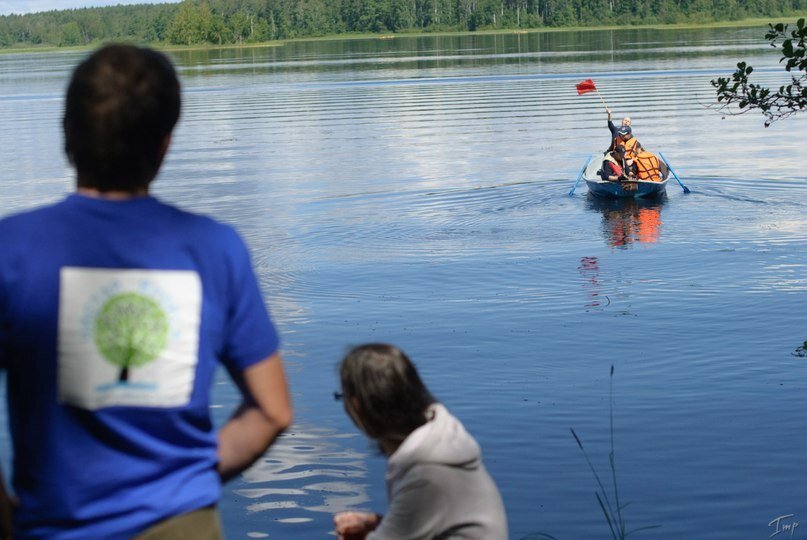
(122, 103)
(389, 397)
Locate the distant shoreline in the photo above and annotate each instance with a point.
(744, 23)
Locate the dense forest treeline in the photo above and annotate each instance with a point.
(220, 22)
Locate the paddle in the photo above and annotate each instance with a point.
(579, 176)
(686, 189)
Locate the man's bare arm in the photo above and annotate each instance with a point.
(263, 415)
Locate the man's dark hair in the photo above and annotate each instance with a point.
(388, 392)
(122, 103)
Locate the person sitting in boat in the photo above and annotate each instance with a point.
(615, 166)
(649, 167)
(624, 137)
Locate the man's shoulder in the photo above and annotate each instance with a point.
(147, 214)
(29, 216)
(202, 224)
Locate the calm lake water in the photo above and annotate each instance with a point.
(414, 190)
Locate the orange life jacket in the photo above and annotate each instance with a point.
(648, 166)
(632, 146)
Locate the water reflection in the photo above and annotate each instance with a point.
(626, 221)
(308, 470)
(419, 55)
(590, 271)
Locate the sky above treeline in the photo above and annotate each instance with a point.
(7, 7)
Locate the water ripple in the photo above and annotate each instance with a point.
(307, 470)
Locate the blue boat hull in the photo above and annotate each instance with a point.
(603, 188)
(632, 190)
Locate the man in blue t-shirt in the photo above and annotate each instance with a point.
(115, 310)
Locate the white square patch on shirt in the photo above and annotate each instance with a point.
(128, 337)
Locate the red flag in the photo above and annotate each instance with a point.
(585, 87)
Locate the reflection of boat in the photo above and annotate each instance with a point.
(629, 220)
(633, 190)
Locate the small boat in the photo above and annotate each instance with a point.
(637, 189)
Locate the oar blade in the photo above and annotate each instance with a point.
(579, 176)
(675, 174)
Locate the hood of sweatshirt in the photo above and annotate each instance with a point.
(441, 440)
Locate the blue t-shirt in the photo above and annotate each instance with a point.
(113, 318)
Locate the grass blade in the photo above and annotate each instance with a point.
(646, 527)
(593, 471)
(607, 517)
(615, 520)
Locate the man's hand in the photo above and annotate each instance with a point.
(7, 506)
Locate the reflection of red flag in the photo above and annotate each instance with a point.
(585, 87)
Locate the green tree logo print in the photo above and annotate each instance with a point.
(131, 330)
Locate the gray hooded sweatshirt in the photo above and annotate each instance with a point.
(437, 486)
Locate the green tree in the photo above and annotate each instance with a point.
(130, 331)
(261, 31)
(728, 9)
(186, 26)
(790, 99)
(241, 25)
(71, 34)
(92, 27)
(209, 26)
(192, 22)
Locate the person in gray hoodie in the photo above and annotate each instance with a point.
(437, 486)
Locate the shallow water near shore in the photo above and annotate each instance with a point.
(414, 190)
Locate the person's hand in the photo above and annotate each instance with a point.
(355, 525)
(7, 505)
(609, 112)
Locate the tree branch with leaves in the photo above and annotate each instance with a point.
(789, 99)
